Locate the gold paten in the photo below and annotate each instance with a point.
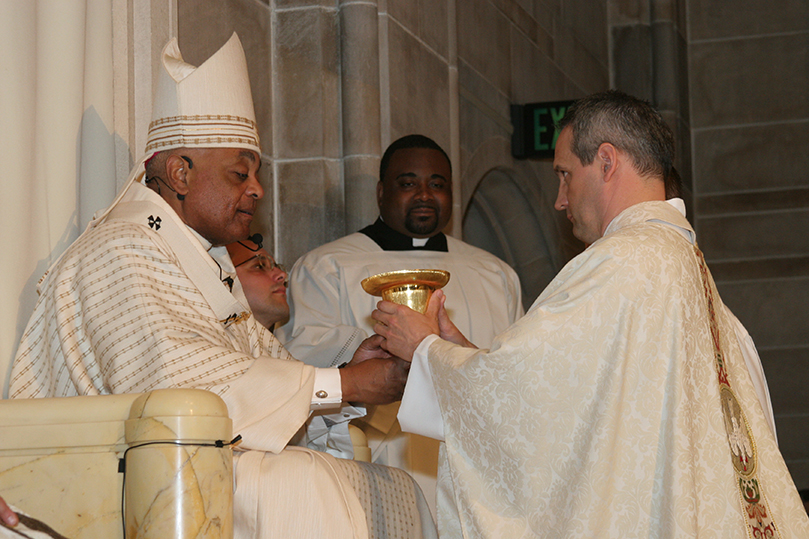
(412, 288)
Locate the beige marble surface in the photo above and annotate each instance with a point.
(59, 463)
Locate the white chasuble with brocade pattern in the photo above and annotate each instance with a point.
(600, 414)
(137, 303)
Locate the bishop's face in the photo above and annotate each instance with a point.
(223, 191)
(415, 196)
(580, 189)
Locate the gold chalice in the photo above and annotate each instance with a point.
(412, 288)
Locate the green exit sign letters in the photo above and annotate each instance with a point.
(535, 131)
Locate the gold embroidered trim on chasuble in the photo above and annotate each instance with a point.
(744, 455)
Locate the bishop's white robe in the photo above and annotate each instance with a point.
(136, 304)
(600, 413)
(330, 315)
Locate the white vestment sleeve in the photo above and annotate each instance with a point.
(316, 332)
(263, 404)
(755, 369)
(328, 391)
(419, 412)
(264, 408)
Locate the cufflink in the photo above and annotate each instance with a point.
(321, 394)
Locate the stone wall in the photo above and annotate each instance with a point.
(649, 59)
(749, 87)
(517, 52)
(293, 54)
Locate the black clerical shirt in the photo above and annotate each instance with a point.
(391, 240)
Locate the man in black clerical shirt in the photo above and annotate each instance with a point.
(414, 196)
(330, 312)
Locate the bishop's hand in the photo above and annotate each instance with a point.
(373, 376)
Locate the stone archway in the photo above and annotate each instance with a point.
(508, 211)
(501, 219)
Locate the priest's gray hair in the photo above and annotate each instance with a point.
(628, 123)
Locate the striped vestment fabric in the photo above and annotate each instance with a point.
(118, 313)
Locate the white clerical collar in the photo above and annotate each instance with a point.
(417, 242)
(679, 204)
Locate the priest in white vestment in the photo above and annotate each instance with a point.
(330, 313)
(621, 404)
(147, 297)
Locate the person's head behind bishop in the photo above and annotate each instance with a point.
(263, 281)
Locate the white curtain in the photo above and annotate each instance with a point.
(57, 156)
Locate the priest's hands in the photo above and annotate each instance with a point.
(404, 328)
(447, 330)
(373, 376)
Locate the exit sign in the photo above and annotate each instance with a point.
(535, 131)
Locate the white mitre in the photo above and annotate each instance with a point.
(209, 106)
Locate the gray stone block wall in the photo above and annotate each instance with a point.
(517, 52)
(418, 86)
(749, 93)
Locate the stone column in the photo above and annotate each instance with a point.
(649, 60)
(359, 45)
(670, 79)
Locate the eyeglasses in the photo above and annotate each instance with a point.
(264, 263)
